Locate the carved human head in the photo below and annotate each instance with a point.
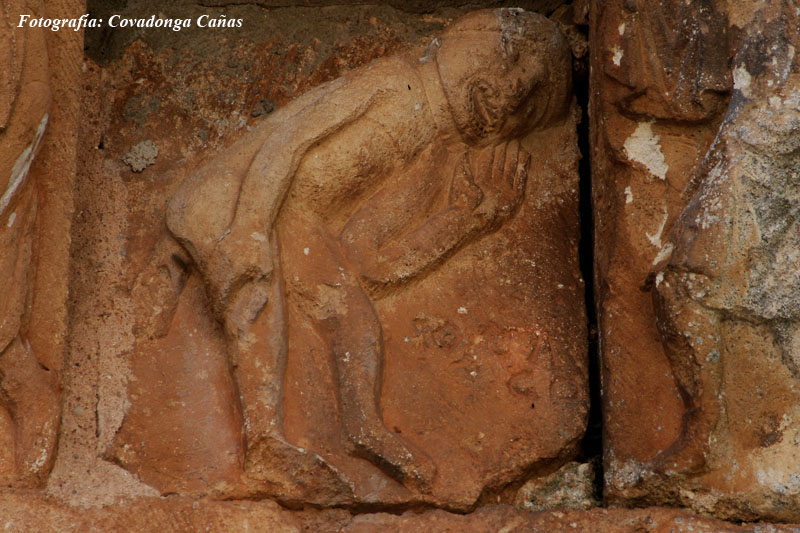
(505, 72)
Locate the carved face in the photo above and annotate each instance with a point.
(505, 72)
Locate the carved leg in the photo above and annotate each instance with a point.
(257, 347)
(201, 217)
(358, 353)
(33, 405)
(690, 334)
(317, 269)
(258, 357)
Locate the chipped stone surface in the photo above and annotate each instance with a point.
(23, 513)
(22, 165)
(658, 110)
(728, 305)
(643, 146)
(572, 487)
(715, 349)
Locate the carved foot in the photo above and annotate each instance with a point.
(286, 471)
(687, 455)
(37, 434)
(394, 455)
(34, 409)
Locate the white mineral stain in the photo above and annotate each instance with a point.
(655, 240)
(621, 29)
(306, 251)
(665, 253)
(776, 466)
(11, 219)
(260, 237)
(741, 80)
(430, 51)
(642, 146)
(628, 195)
(42, 458)
(22, 165)
(462, 310)
(617, 56)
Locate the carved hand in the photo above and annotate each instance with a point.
(463, 191)
(239, 273)
(501, 173)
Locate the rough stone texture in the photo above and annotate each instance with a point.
(695, 209)
(571, 486)
(504, 518)
(445, 264)
(20, 513)
(727, 299)
(320, 27)
(38, 113)
(95, 370)
(655, 118)
(141, 156)
(30, 512)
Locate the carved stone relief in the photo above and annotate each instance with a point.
(329, 278)
(29, 406)
(656, 118)
(360, 291)
(716, 431)
(726, 296)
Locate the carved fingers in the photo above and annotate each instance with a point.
(464, 191)
(514, 175)
(501, 173)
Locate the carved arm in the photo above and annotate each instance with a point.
(485, 190)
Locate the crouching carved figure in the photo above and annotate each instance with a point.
(348, 194)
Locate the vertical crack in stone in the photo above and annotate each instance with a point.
(592, 445)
